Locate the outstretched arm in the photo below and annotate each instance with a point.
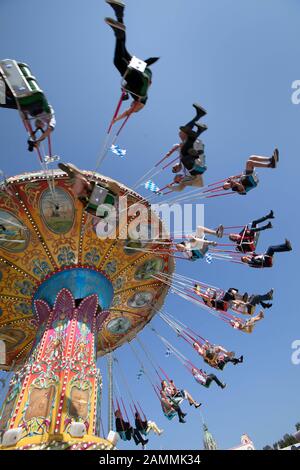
(44, 135)
(172, 150)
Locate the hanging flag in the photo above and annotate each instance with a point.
(208, 258)
(151, 186)
(118, 151)
(52, 159)
(140, 374)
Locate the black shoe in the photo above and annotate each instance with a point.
(265, 305)
(245, 297)
(269, 225)
(270, 294)
(223, 385)
(145, 441)
(273, 162)
(125, 97)
(30, 145)
(288, 245)
(220, 231)
(118, 27)
(276, 155)
(201, 127)
(183, 415)
(270, 215)
(197, 405)
(118, 7)
(241, 359)
(201, 112)
(181, 420)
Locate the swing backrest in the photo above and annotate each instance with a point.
(170, 415)
(245, 246)
(168, 411)
(199, 254)
(256, 238)
(24, 87)
(98, 197)
(253, 180)
(123, 435)
(137, 71)
(196, 254)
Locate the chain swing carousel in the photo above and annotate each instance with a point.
(69, 295)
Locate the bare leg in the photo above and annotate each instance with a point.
(200, 231)
(152, 426)
(194, 181)
(190, 399)
(258, 162)
(258, 158)
(258, 317)
(81, 186)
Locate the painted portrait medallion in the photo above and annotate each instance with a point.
(14, 235)
(58, 212)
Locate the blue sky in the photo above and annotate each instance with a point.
(239, 60)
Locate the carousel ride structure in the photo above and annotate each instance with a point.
(67, 296)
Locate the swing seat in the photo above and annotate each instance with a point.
(252, 181)
(199, 254)
(124, 436)
(199, 166)
(137, 78)
(256, 238)
(170, 415)
(168, 411)
(198, 169)
(24, 87)
(99, 196)
(246, 247)
(196, 254)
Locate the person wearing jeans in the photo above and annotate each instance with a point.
(206, 379)
(261, 299)
(266, 260)
(125, 427)
(245, 240)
